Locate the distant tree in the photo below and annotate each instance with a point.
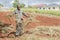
(22, 5)
(15, 3)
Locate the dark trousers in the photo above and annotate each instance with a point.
(19, 29)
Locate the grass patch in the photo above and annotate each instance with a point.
(50, 12)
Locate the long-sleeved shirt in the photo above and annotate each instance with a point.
(19, 15)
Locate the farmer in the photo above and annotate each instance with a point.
(19, 19)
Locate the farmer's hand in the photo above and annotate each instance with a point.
(22, 19)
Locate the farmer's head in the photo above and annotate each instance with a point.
(18, 7)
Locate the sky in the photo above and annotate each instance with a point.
(9, 3)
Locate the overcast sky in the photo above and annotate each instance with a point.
(8, 3)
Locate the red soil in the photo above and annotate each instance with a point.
(44, 21)
(5, 19)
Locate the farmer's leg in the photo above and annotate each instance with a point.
(19, 29)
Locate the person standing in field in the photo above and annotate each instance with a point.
(19, 14)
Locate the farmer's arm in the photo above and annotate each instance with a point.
(24, 14)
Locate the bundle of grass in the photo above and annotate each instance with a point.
(4, 27)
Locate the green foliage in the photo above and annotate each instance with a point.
(15, 3)
(22, 5)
